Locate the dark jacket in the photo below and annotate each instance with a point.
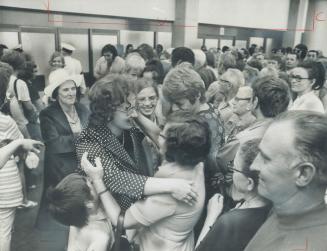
(124, 165)
(60, 154)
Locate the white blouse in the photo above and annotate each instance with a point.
(308, 102)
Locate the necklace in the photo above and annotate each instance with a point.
(72, 118)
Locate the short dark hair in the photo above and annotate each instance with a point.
(225, 48)
(273, 95)
(109, 48)
(146, 51)
(310, 139)
(187, 143)
(182, 54)
(255, 63)
(15, 59)
(303, 48)
(105, 96)
(211, 60)
(249, 151)
(27, 73)
(316, 70)
(67, 201)
(315, 51)
(154, 65)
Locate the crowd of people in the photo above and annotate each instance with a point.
(185, 149)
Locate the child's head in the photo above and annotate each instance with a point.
(69, 201)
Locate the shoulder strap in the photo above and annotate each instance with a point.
(15, 88)
(119, 230)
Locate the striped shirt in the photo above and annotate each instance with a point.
(10, 184)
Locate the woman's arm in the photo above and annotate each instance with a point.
(12, 147)
(148, 127)
(215, 207)
(182, 190)
(110, 205)
(135, 185)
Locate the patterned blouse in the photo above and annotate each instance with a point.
(217, 135)
(124, 174)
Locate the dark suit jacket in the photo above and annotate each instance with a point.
(60, 154)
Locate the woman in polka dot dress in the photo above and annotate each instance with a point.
(111, 136)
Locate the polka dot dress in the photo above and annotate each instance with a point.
(122, 176)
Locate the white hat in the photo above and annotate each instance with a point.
(18, 47)
(68, 47)
(58, 77)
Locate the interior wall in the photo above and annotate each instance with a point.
(151, 9)
(165, 39)
(9, 38)
(40, 46)
(263, 14)
(136, 37)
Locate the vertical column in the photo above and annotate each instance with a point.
(297, 17)
(185, 28)
(317, 13)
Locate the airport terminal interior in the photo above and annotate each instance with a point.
(159, 125)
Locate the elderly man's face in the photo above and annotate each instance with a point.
(276, 162)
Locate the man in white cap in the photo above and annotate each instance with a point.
(72, 65)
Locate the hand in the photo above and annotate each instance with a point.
(184, 190)
(93, 172)
(31, 145)
(216, 205)
(133, 113)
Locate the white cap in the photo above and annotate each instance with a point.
(58, 77)
(18, 47)
(68, 47)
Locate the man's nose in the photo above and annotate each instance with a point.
(255, 165)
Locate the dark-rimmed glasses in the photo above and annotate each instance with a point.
(297, 78)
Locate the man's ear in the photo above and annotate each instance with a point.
(250, 185)
(255, 102)
(305, 173)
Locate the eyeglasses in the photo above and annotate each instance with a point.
(297, 78)
(226, 82)
(238, 99)
(238, 171)
(125, 110)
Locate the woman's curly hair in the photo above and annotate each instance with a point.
(187, 143)
(105, 96)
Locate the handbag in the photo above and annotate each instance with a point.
(121, 241)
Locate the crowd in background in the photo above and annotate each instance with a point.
(197, 149)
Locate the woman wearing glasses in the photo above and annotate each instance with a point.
(305, 79)
(112, 137)
(147, 96)
(232, 230)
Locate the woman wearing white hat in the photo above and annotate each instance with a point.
(61, 123)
